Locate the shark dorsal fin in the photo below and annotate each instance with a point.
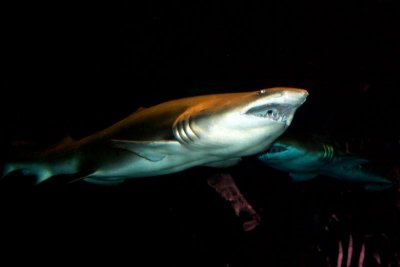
(65, 141)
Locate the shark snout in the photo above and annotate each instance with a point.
(289, 95)
(295, 96)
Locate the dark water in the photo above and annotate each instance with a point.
(80, 67)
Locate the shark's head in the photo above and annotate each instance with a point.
(290, 147)
(283, 149)
(239, 123)
(298, 154)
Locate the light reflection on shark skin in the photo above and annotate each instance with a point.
(305, 157)
(210, 130)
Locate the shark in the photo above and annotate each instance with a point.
(214, 130)
(306, 157)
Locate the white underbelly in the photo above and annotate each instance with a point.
(141, 167)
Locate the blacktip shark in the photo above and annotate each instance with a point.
(305, 157)
(214, 130)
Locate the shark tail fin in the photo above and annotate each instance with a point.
(7, 168)
(24, 158)
(41, 173)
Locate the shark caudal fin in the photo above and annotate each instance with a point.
(41, 173)
(26, 161)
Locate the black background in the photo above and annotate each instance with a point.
(75, 68)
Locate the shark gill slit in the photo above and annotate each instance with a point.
(331, 154)
(324, 156)
(189, 131)
(328, 153)
(184, 129)
(180, 132)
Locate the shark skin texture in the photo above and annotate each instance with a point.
(214, 130)
(306, 157)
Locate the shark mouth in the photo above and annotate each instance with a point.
(274, 112)
(276, 149)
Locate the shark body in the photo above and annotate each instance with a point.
(210, 130)
(306, 157)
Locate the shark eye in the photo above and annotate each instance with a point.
(262, 92)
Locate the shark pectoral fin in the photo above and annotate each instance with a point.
(42, 176)
(150, 150)
(224, 163)
(305, 176)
